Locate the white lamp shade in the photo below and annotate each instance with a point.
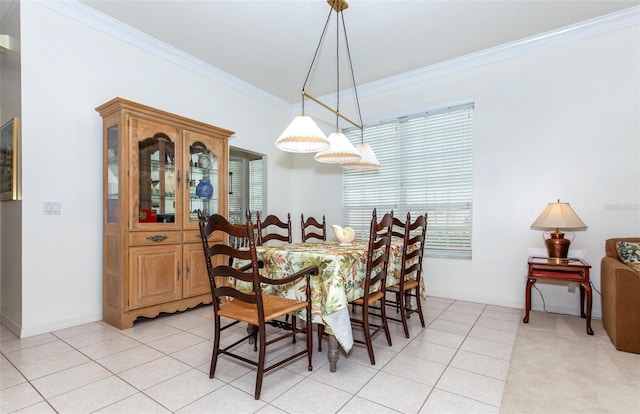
(558, 216)
(368, 160)
(302, 136)
(340, 150)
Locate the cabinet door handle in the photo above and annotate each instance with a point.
(178, 271)
(178, 179)
(188, 270)
(157, 238)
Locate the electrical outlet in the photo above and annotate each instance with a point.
(52, 208)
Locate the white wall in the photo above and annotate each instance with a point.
(68, 70)
(570, 112)
(559, 123)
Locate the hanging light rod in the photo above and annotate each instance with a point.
(330, 109)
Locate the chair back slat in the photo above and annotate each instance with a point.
(313, 229)
(221, 275)
(378, 253)
(413, 247)
(272, 228)
(398, 228)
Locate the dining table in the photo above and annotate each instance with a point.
(340, 280)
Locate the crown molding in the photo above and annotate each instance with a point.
(115, 28)
(593, 27)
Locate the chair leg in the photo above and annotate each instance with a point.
(261, 358)
(309, 339)
(419, 306)
(216, 346)
(403, 313)
(367, 334)
(385, 323)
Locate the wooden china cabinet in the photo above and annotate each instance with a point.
(156, 166)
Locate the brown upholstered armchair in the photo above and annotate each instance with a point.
(620, 299)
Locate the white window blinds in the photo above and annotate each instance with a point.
(255, 186)
(245, 187)
(236, 193)
(426, 167)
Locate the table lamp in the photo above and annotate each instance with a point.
(558, 216)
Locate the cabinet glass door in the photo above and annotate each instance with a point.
(157, 177)
(113, 198)
(203, 192)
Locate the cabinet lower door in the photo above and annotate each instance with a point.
(196, 280)
(155, 275)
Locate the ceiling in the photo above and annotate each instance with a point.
(270, 43)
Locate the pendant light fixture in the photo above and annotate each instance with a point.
(305, 132)
(367, 161)
(302, 135)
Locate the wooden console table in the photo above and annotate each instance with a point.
(566, 270)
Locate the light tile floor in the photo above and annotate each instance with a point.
(458, 363)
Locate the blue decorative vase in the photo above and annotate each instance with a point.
(204, 189)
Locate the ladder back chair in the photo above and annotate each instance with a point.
(238, 242)
(313, 229)
(256, 308)
(414, 236)
(397, 230)
(378, 252)
(272, 228)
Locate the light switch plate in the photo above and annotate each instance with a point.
(52, 208)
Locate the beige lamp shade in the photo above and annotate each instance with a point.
(368, 159)
(341, 150)
(558, 216)
(302, 135)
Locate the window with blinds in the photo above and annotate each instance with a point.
(426, 167)
(236, 194)
(255, 186)
(245, 185)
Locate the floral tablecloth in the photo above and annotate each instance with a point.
(340, 279)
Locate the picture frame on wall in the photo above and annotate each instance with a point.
(9, 158)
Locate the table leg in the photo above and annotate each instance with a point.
(582, 314)
(527, 298)
(333, 354)
(407, 303)
(586, 288)
(251, 329)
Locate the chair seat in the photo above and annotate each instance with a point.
(274, 307)
(372, 298)
(408, 285)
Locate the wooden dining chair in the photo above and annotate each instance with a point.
(313, 229)
(239, 242)
(271, 228)
(397, 230)
(377, 260)
(253, 307)
(414, 237)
